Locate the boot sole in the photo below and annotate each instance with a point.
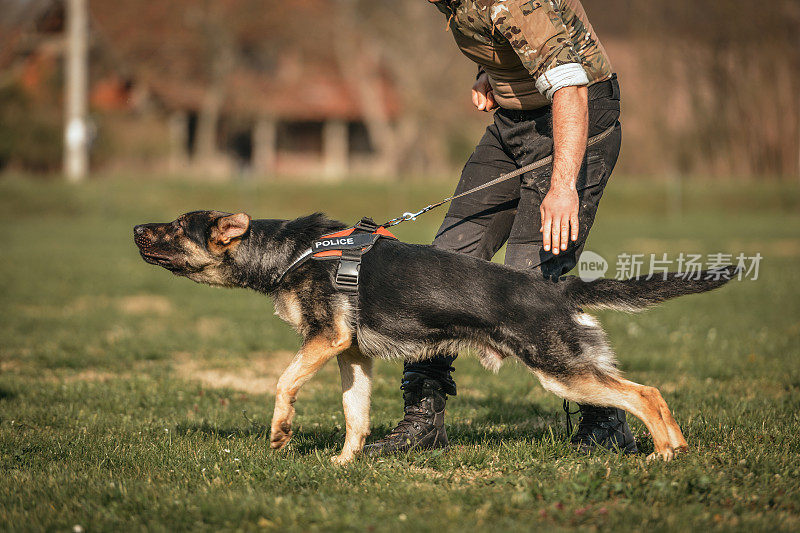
(588, 449)
(437, 444)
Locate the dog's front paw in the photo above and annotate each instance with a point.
(667, 454)
(279, 436)
(342, 459)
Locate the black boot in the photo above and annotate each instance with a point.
(422, 426)
(604, 427)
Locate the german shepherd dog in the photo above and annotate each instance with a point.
(413, 302)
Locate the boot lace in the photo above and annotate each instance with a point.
(569, 414)
(413, 414)
(590, 418)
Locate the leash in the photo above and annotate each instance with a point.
(347, 273)
(405, 217)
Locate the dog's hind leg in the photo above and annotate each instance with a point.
(676, 438)
(644, 402)
(356, 373)
(314, 353)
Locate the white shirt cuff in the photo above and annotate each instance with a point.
(559, 77)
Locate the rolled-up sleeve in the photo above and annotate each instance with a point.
(538, 35)
(566, 75)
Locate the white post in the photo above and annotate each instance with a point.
(76, 134)
(265, 146)
(335, 148)
(178, 141)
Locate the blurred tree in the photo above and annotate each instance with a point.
(30, 131)
(408, 40)
(726, 76)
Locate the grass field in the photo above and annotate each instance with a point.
(134, 400)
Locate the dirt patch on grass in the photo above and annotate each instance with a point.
(79, 306)
(10, 366)
(70, 376)
(90, 375)
(258, 376)
(137, 304)
(84, 304)
(211, 326)
(140, 304)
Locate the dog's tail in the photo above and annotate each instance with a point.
(638, 294)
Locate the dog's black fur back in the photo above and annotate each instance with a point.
(417, 301)
(420, 297)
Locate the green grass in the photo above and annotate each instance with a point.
(122, 388)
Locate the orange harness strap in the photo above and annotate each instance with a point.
(347, 246)
(380, 231)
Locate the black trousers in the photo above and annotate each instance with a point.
(479, 224)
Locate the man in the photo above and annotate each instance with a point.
(542, 68)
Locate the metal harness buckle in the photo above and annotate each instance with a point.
(347, 271)
(361, 239)
(350, 263)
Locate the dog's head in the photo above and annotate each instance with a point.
(198, 245)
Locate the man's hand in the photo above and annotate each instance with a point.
(559, 212)
(482, 94)
(559, 208)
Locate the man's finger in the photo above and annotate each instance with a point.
(490, 100)
(477, 98)
(546, 233)
(564, 233)
(541, 217)
(573, 222)
(556, 232)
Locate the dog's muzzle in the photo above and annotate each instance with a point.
(139, 237)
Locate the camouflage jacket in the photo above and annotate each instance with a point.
(529, 48)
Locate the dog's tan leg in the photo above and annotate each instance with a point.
(312, 356)
(643, 402)
(356, 373)
(676, 439)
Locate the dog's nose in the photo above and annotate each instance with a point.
(138, 230)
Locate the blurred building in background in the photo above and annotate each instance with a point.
(298, 119)
(333, 88)
(200, 106)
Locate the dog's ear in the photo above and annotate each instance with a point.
(229, 228)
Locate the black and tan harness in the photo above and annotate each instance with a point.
(347, 247)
